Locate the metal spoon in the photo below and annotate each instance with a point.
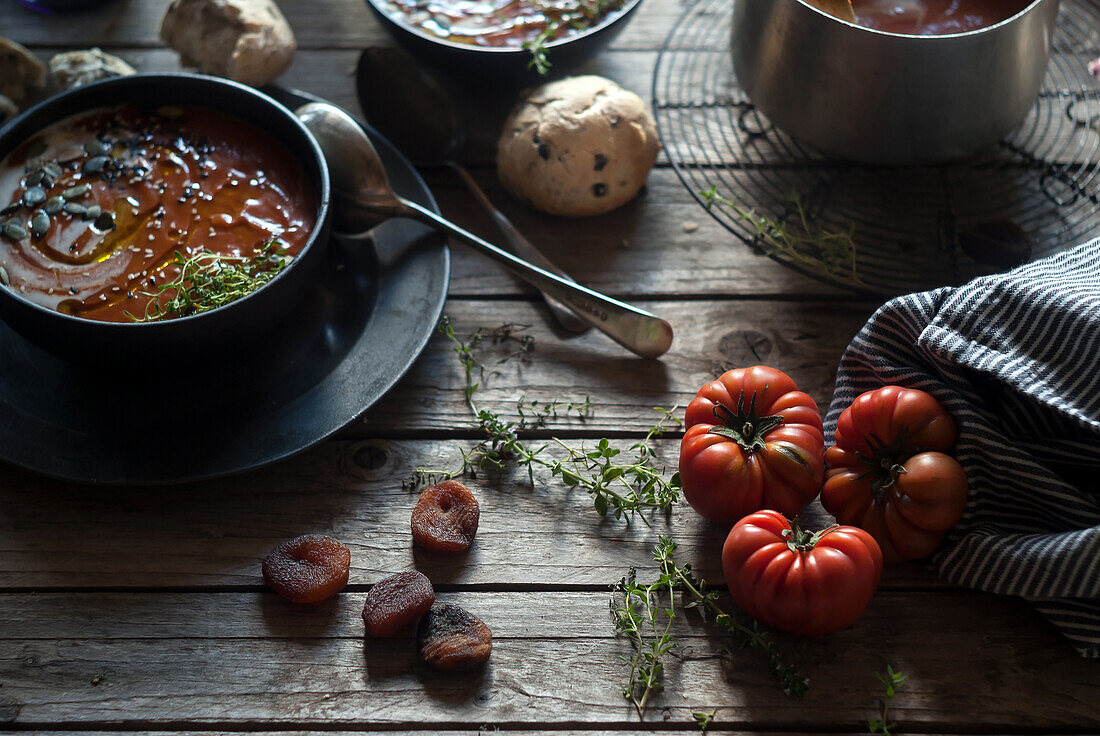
(364, 196)
(418, 116)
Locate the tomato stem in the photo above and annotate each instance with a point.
(804, 540)
(743, 426)
(886, 460)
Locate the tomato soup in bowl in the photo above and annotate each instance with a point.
(510, 41)
(156, 213)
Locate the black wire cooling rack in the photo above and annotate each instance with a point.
(884, 230)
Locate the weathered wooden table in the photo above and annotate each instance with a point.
(143, 609)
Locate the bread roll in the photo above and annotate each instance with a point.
(22, 75)
(577, 147)
(74, 68)
(246, 40)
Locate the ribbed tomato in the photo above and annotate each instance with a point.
(753, 441)
(800, 581)
(889, 472)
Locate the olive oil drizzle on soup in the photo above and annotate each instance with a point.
(98, 209)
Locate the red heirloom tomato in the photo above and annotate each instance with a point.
(799, 581)
(889, 474)
(753, 441)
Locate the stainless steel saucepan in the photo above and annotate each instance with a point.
(889, 98)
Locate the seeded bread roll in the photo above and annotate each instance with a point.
(74, 68)
(577, 147)
(22, 75)
(246, 40)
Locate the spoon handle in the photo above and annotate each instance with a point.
(636, 330)
(524, 249)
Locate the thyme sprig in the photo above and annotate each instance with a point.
(796, 236)
(892, 682)
(637, 615)
(618, 486)
(576, 16)
(626, 486)
(537, 48)
(208, 280)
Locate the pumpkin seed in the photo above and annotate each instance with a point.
(92, 212)
(73, 192)
(95, 165)
(94, 147)
(74, 208)
(105, 221)
(40, 223)
(14, 229)
(53, 170)
(34, 196)
(11, 208)
(35, 177)
(4, 279)
(72, 153)
(53, 205)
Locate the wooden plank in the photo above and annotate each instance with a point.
(661, 245)
(1016, 672)
(213, 536)
(805, 339)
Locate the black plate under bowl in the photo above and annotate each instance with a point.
(370, 311)
(462, 59)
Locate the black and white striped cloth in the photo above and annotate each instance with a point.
(1015, 358)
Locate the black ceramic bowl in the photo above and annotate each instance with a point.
(508, 63)
(233, 324)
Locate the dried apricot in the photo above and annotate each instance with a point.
(394, 603)
(445, 517)
(451, 638)
(308, 569)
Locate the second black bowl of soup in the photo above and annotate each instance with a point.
(157, 216)
(471, 37)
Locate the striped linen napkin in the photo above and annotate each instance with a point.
(1015, 358)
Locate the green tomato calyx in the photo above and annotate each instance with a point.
(743, 426)
(886, 461)
(804, 540)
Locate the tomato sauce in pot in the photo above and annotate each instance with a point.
(934, 17)
(99, 212)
